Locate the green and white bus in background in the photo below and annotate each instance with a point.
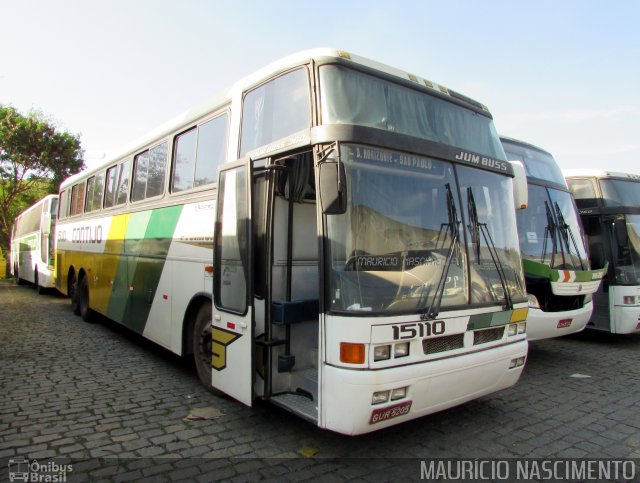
(609, 205)
(333, 235)
(33, 244)
(560, 282)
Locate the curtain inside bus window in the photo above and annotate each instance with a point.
(352, 97)
(276, 109)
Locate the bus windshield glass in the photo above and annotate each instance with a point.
(352, 97)
(401, 245)
(537, 164)
(627, 253)
(549, 230)
(617, 192)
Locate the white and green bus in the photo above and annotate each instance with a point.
(560, 282)
(332, 235)
(609, 205)
(33, 244)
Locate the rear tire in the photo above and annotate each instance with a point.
(201, 339)
(72, 291)
(83, 300)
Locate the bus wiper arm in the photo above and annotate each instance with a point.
(477, 228)
(549, 231)
(567, 233)
(453, 225)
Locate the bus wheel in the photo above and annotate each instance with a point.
(72, 291)
(83, 300)
(36, 282)
(16, 273)
(202, 346)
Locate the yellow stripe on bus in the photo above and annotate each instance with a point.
(101, 289)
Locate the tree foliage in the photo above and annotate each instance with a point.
(34, 159)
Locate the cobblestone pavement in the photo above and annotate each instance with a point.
(112, 405)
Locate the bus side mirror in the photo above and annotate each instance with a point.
(520, 190)
(620, 229)
(46, 224)
(333, 188)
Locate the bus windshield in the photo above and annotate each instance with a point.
(549, 230)
(617, 192)
(352, 97)
(627, 253)
(406, 242)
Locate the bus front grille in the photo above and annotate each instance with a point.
(487, 335)
(442, 344)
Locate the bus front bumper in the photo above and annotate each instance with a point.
(545, 325)
(430, 387)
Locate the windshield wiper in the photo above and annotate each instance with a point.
(566, 232)
(476, 227)
(454, 230)
(549, 231)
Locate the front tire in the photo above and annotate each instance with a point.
(202, 346)
(40, 289)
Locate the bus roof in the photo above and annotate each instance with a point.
(281, 65)
(598, 173)
(523, 144)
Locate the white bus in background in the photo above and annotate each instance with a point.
(364, 269)
(560, 282)
(33, 244)
(609, 205)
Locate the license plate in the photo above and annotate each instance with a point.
(564, 323)
(383, 414)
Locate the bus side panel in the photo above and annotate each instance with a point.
(108, 267)
(148, 249)
(189, 255)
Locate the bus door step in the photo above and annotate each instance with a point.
(297, 404)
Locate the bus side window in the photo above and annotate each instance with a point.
(123, 183)
(583, 192)
(276, 109)
(110, 188)
(77, 199)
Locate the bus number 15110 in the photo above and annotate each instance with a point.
(420, 329)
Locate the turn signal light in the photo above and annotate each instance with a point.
(351, 353)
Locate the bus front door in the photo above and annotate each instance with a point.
(232, 331)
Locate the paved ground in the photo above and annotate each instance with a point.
(114, 404)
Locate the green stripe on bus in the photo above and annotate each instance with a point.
(146, 267)
(483, 321)
(543, 270)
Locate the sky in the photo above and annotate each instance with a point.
(562, 75)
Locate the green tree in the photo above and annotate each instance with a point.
(34, 159)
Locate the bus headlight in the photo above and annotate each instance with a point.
(517, 328)
(401, 350)
(398, 393)
(380, 397)
(533, 301)
(381, 352)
